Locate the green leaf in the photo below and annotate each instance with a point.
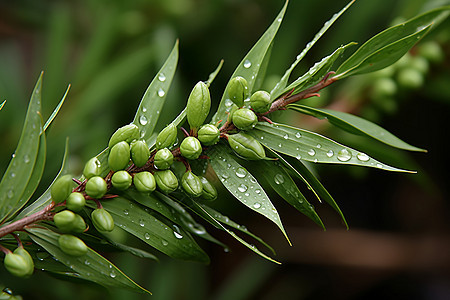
(306, 145)
(56, 110)
(388, 46)
(201, 210)
(135, 251)
(154, 229)
(242, 185)
(91, 266)
(356, 125)
(250, 66)
(281, 85)
(3, 104)
(20, 168)
(153, 100)
(283, 184)
(213, 75)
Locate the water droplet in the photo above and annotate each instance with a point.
(144, 109)
(279, 145)
(177, 235)
(164, 242)
(316, 160)
(344, 155)
(10, 194)
(112, 274)
(42, 255)
(143, 120)
(257, 205)
(279, 179)
(286, 136)
(126, 212)
(147, 236)
(262, 137)
(13, 175)
(13, 155)
(228, 102)
(319, 146)
(330, 153)
(162, 77)
(87, 262)
(311, 152)
(362, 156)
(298, 157)
(258, 191)
(247, 64)
(142, 222)
(242, 188)
(298, 135)
(379, 166)
(26, 159)
(161, 93)
(241, 172)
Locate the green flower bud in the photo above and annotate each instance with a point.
(432, 51)
(119, 156)
(127, 133)
(190, 148)
(420, 64)
(25, 255)
(102, 220)
(238, 90)
(62, 188)
(191, 184)
(163, 159)
(167, 137)
(72, 245)
(16, 265)
(260, 101)
(121, 180)
(166, 181)
(75, 202)
(384, 87)
(92, 168)
(246, 146)
(78, 225)
(209, 192)
(233, 109)
(64, 220)
(198, 105)
(208, 135)
(96, 187)
(144, 182)
(244, 119)
(410, 78)
(139, 153)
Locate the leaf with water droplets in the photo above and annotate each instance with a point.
(152, 102)
(243, 187)
(283, 184)
(158, 231)
(135, 251)
(312, 147)
(98, 270)
(391, 44)
(252, 65)
(281, 85)
(20, 169)
(356, 125)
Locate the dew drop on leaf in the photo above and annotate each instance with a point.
(344, 155)
(362, 156)
(143, 120)
(162, 77)
(112, 274)
(147, 236)
(241, 172)
(311, 152)
(279, 179)
(164, 242)
(242, 188)
(286, 136)
(177, 235)
(141, 222)
(298, 135)
(10, 194)
(161, 93)
(330, 153)
(126, 212)
(247, 64)
(26, 159)
(256, 205)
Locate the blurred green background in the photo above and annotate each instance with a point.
(398, 245)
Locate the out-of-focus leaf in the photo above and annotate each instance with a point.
(356, 125)
(281, 85)
(154, 229)
(249, 67)
(56, 110)
(91, 266)
(153, 100)
(310, 146)
(388, 46)
(282, 183)
(242, 185)
(20, 169)
(201, 210)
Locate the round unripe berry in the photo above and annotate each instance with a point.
(96, 187)
(75, 201)
(260, 101)
(166, 181)
(127, 133)
(119, 156)
(72, 245)
(144, 182)
(190, 148)
(61, 188)
(16, 265)
(209, 192)
(102, 220)
(208, 135)
(121, 180)
(244, 119)
(238, 90)
(139, 153)
(92, 168)
(191, 184)
(163, 159)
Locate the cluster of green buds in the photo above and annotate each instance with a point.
(19, 262)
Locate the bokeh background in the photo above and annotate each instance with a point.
(398, 245)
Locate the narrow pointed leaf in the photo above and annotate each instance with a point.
(216, 223)
(355, 124)
(310, 146)
(153, 229)
(20, 168)
(153, 100)
(56, 110)
(3, 104)
(135, 251)
(250, 66)
(213, 75)
(283, 184)
(242, 185)
(91, 266)
(388, 46)
(281, 85)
